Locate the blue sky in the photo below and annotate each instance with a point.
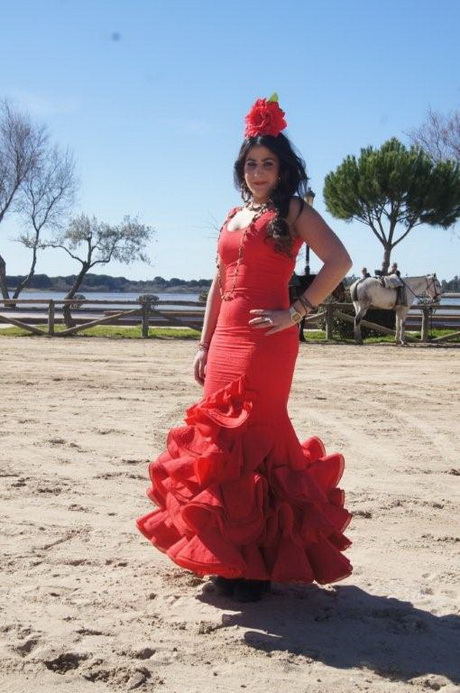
(150, 97)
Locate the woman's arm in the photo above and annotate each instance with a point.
(213, 304)
(312, 228)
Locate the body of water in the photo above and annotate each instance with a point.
(103, 296)
(133, 296)
(108, 296)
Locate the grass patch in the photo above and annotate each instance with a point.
(176, 333)
(442, 333)
(135, 332)
(320, 336)
(383, 339)
(16, 332)
(112, 332)
(315, 335)
(389, 339)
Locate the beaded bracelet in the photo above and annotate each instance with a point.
(203, 345)
(309, 307)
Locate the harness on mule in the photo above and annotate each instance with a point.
(392, 281)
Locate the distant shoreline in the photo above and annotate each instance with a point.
(104, 283)
(97, 290)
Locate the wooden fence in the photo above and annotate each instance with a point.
(40, 316)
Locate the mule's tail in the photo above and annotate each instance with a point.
(354, 291)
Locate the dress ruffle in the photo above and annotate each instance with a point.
(237, 498)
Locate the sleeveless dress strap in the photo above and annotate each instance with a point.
(231, 214)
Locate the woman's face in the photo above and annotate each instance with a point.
(261, 172)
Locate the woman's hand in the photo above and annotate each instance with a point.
(199, 365)
(274, 320)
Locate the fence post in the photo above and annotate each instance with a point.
(329, 320)
(145, 318)
(425, 323)
(51, 308)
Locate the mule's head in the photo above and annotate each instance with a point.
(433, 288)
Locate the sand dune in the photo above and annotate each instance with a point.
(88, 605)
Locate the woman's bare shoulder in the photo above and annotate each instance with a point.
(297, 209)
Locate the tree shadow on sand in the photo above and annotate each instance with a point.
(346, 627)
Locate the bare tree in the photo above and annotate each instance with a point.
(91, 243)
(21, 148)
(48, 193)
(439, 135)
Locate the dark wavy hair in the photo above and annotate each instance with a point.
(293, 180)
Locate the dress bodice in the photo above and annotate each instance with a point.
(262, 271)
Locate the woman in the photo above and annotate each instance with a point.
(239, 497)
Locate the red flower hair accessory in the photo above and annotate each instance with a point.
(265, 118)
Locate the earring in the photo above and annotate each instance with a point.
(245, 192)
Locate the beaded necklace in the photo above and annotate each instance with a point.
(228, 295)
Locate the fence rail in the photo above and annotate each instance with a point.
(40, 316)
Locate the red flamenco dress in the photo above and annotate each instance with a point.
(238, 495)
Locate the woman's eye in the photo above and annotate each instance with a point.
(268, 164)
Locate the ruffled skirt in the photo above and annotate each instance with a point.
(241, 498)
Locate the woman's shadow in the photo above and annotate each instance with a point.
(347, 627)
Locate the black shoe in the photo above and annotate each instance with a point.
(225, 587)
(250, 590)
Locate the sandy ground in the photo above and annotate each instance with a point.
(88, 605)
